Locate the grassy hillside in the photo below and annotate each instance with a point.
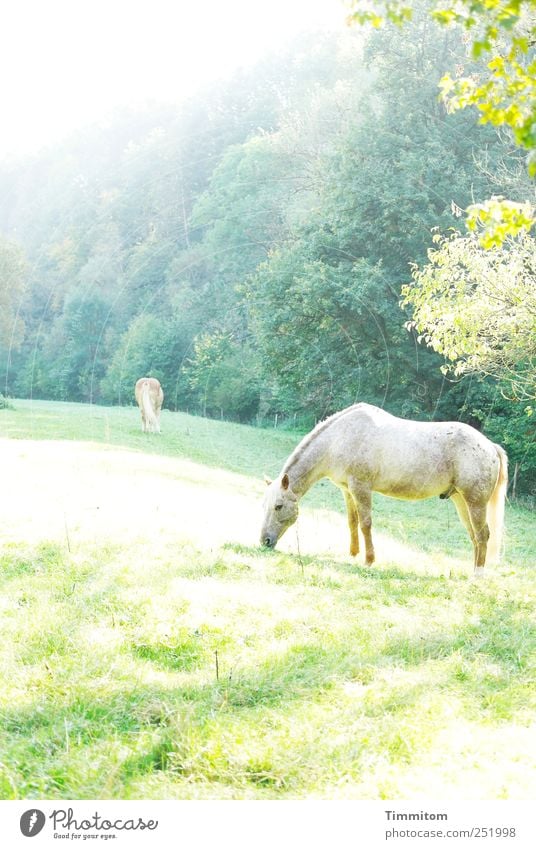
(151, 649)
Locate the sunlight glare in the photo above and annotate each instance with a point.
(69, 64)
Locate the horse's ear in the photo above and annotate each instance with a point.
(267, 480)
(285, 481)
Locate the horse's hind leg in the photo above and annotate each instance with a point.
(477, 514)
(353, 523)
(463, 513)
(362, 497)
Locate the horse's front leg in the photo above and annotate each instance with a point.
(362, 497)
(353, 523)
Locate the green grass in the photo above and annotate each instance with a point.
(191, 665)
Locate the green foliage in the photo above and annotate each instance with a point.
(13, 281)
(76, 349)
(497, 219)
(5, 403)
(486, 21)
(313, 320)
(508, 94)
(153, 346)
(222, 377)
(325, 304)
(242, 212)
(478, 309)
(506, 98)
(503, 90)
(84, 326)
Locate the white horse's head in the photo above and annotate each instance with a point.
(280, 510)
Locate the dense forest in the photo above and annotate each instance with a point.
(250, 247)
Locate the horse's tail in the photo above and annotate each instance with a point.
(148, 408)
(495, 509)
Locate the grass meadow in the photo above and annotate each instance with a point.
(150, 649)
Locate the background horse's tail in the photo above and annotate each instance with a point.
(495, 509)
(148, 409)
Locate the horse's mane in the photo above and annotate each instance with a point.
(319, 428)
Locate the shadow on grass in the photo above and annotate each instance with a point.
(486, 662)
(505, 633)
(487, 665)
(308, 568)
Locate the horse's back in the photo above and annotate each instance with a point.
(411, 459)
(153, 386)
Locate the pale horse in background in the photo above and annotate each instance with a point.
(149, 397)
(364, 449)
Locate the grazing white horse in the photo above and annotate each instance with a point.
(149, 397)
(364, 449)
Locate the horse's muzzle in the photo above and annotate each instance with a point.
(268, 542)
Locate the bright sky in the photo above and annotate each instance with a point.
(66, 63)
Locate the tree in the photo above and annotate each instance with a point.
(76, 348)
(14, 272)
(505, 93)
(153, 346)
(13, 280)
(477, 308)
(324, 327)
(325, 304)
(222, 377)
(503, 90)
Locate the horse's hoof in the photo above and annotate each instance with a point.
(478, 573)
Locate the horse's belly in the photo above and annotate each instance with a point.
(411, 493)
(414, 487)
(405, 469)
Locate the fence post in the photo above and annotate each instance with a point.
(514, 482)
